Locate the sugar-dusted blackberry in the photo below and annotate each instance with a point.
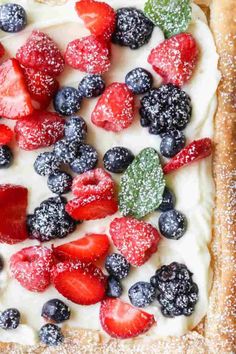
(114, 287)
(9, 319)
(168, 200)
(177, 293)
(133, 29)
(172, 224)
(165, 108)
(60, 182)
(92, 85)
(55, 310)
(66, 151)
(86, 159)
(117, 159)
(67, 101)
(46, 163)
(139, 81)
(6, 156)
(117, 266)
(142, 294)
(75, 129)
(51, 334)
(13, 18)
(172, 142)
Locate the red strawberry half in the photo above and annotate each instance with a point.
(31, 266)
(121, 320)
(6, 134)
(13, 204)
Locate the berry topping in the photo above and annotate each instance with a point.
(6, 134)
(46, 163)
(31, 267)
(114, 287)
(56, 311)
(142, 294)
(133, 29)
(67, 101)
(139, 81)
(89, 54)
(42, 54)
(175, 59)
(84, 284)
(91, 86)
(2, 50)
(1, 263)
(168, 200)
(115, 108)
(172, 142)
(195, 151)
(75, 129)
(177, 293)
(6, 156)
(41, 129)
(13, 18)
(117, 266)
(121, 320)
(66, 151)
(136, 240)
(50, 334)
(13, 204)
(94, 182)
(91, 208)
(59, 182)
(165, 108)
(9, 319)
(50, 220)
(117, 159)
(172, 224)
(86, 159)
(99, 18)
(15, 101)
(89, 248)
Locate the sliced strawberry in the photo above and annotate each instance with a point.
(91, 208)
(175, 58)
(94, 182)
(115, 108)
(42, 54)
(13, 204)
(15, 101)
(98, 17)
(197, 150)
(121, 320)
(89, 54)
(39, 130)
(31, 266)
(6, 134)
(2, 50)
(84, 284)
(89, 248)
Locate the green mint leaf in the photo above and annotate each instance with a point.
(142, 185)
(172, 16)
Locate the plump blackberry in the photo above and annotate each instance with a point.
(117, 266)
(13, 18)
(139, 81)
(75, 129)
(6, 156)
(50, 220)
(60, 182)
(9, 319)
(51, 334)
(168, 200)
(133, 29)
(172, 142)
(55, 310)
(172, 224)
(66, 151)
(165, 108)
(87, 159)
(91, 86)
(142, 294)
(67, 101)
(114, 287)
(117, 159)
(46, 163)
(176, 291)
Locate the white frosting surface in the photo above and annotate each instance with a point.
(193, 186)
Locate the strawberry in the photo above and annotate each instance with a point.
(175, 58)
(15, 101)
(2, 50)
(93, 182)
(99, 18)
(91, 208)
(136, 240)
(89, 54)
(84, 284)
(39, 130)
(13, 204)
(115, 108)
(197, 150)
(31, 266)
(122, 320)
(6, 134)
(42, 54)
(89, 248)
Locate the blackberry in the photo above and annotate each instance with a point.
(46, 163)
(142, 294)
(67, 101)
(172, 224)
(55, 310)
(177, 293)
(117, 159)
(60, 182)
(66, 151)
(9, 319)
(117, 266)
(91, 86)
(13, 18)
(139, 81)
(114, 288)
(172, 142)
(86, 159)
(75, 129)
(165, 108)
(133, 29)
(168, 200)
(6, 157)
(51, 334)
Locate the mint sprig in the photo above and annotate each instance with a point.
(142, 185)
(172, 16)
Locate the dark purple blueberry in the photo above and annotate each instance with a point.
(117, 159)
(75, 129)
(6, 156)
(114, 288)
(139, 81)
(9, 319)
(60, 182)
(67, 101)
(86, 159)
(142, 294)
(117, 266)
(168, 200)
(46, 163)
(172, 224)
(66, 151)
(13, 18)
(51, 334)
(172, 142)
(55, 310)
(92, 85)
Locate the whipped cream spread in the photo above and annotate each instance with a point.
(193, 186)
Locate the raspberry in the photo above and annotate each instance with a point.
(6, 134)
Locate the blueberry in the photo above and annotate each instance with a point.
(114, 288)
(75, 129)
(172, 142)
(66, 151)
(55, 310)
(9, 319)
(87, 159)
(46, 163)
(168, 200)
(172, 224)
(60, 182)
(117, 159)
(139, 81)
(13, 18)
(91, 86)
(117, 266)
(50, 334)
(142, 294)
(6, 156)
(67, 101)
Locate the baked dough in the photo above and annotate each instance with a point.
(216, 333)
